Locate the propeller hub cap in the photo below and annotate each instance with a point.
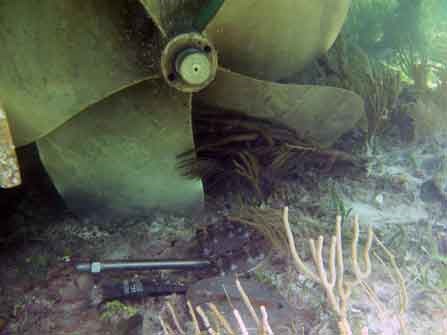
(193, 66)
(189, 62)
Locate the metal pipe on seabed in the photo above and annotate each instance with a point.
(97, 267)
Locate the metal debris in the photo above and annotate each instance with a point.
(96, 267)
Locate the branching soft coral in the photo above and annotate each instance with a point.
(337, 288)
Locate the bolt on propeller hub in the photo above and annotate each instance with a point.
(189, 62)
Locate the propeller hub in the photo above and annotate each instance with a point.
(193, 66)
(189, 62)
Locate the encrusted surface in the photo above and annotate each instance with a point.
(9, 167)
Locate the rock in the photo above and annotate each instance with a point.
(442, 244)
(428, 117)
(131, 326)
(3, 323)
(232, 245)
(398, 183)
(121, 251)
(85, 282)
(434, 190)
(281, 315)
(432, 165)
(379, 200)
(430, 192)
(74, 289)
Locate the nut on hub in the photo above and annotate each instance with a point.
(189, 62)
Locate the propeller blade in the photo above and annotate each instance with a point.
(119, 156)
(333, 16)
(175, 17)
(206, 14)
(320, 113)
(271, 40)
(154, 10)
(61, 56)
